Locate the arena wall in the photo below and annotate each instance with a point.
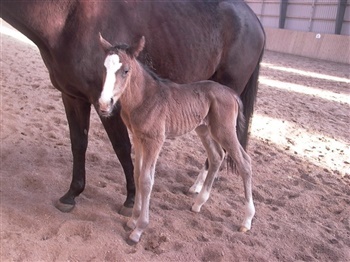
(328, 47)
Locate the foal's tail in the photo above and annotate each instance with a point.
(241, 122)
(240, 129)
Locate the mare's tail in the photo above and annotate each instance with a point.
(248, 97)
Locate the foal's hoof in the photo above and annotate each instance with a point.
(131, 242)
(134, 238)
(243, 229)
(65, 208)
(131, 224)
(193, 190)
(125, 211)
(196, 209)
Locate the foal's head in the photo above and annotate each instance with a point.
(119, 64)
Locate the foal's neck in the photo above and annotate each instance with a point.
(140, 86)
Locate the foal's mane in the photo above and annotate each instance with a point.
(126, 49)
(119, 47)
(153, 74)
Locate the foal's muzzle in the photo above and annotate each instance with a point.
(105, 107)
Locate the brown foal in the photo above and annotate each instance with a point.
(154, 109)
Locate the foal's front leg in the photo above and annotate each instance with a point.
(145, 181)
(137, 169)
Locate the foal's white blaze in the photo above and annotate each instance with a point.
(112, 65)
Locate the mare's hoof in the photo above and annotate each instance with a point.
(65, 208)
(125, 211)
(243, 229)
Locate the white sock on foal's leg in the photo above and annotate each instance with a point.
(201, 198)
(249, 214)
(131, 223)
(198, 184)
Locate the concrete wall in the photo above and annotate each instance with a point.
(328, 47)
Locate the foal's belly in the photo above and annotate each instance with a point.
(183, 122)
(187, 107)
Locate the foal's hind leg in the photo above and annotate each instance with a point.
(215, 157)
(243, 166)
(198, 184)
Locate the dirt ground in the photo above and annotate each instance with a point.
(299, 146)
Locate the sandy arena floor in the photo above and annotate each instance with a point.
(300, 151)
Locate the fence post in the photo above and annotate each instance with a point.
(313, 7)
(283, 13)
(262, 11)
(340, 16)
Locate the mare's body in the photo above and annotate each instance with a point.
(187, 41)
(154, 109)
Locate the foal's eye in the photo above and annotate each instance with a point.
(126, 71)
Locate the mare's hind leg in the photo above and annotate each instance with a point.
(215, 157)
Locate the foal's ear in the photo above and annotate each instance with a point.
(105, 44)
(136, 49)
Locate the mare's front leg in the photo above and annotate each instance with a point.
(119, 137)
(150, 153)
(78, 116)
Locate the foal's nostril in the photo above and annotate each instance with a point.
(104, 107)
(112, 101)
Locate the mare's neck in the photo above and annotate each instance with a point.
(41, 21)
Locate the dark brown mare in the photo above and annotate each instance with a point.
(154, 109)
(188, 41)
